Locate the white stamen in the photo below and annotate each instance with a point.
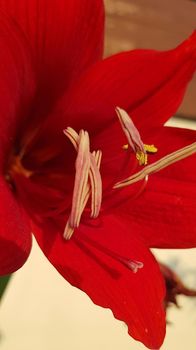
(81, 178)
(131, 132)
(68, 231)
(98, 156)
(160, 164)
(72, 136)
(87, 181)
(96, 187)
(89, 189)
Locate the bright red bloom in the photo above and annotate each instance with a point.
(52, 77)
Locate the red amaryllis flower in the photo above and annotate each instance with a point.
(52, 183)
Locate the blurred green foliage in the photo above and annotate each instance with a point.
(3, 284)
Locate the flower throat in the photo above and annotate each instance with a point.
(88, 183)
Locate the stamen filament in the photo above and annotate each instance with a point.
(96, 187)
(89, 189)
(94, 175)
(98, 156)
(72, 136)
(89, 184)
(81, 178)
(160, 164)
(68, 231)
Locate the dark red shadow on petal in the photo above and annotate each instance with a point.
(17, 256)
(15, 232)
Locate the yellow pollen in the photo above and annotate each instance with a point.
(125, 147)
(142, 157)
(158, 165)
(150, 148)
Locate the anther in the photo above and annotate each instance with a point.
(132, 135)
(150, 148)
(125, 147)
(160, 164)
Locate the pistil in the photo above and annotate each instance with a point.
(88, 181)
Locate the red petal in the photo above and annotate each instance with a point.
(143, 81)
(16, 90)
(16, 84)
(164, 215)
(65, 36)
(15, 234)
(148, 84)
(88, 262)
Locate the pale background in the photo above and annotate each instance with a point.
(41, 311)
(151, 24)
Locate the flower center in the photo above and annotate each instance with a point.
(15, 166)
(88, 179)
(88, 182)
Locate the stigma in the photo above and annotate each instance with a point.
(87, 180)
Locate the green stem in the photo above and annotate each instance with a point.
(3, 284)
